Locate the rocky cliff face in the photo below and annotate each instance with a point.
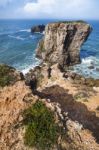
(62, 42)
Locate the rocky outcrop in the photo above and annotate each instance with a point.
(9, 75)
(13, 100)
(78, 121)
(71, 97)
(17, 98)
(39, 28)
(79, 79)
(62, 43)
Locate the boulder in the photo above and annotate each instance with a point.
(97, 69)
(9, 75)
(91, 67)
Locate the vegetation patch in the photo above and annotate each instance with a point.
(41, 130)
(6, 76)
(81, 96)
(77, 21)
(41, 45)
(71, 21)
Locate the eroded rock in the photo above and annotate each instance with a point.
(62, 43)
(9, 75)
(13, 101)
(38, 28)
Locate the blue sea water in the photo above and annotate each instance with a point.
(17, 46)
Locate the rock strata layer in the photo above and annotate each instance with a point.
(62, 42)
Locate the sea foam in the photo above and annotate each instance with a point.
(25, 30)
(89, 67)
(16, 37)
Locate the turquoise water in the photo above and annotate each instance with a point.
(17, 46)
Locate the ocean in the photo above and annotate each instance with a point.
(18, 44)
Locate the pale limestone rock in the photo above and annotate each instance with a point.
(62, 43)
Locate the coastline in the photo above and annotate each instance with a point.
(83, 69)
(12, 47)
(71, 98)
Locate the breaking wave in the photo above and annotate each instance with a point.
(89, 67)
(16, 37)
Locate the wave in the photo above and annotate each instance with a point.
(87, 61)
(90, 60)
(27, 69)
(16, 37)
(2, 51)
(16, 56)
(13, 32)
(42, 33)
(89, 67)
(4, 34)
(25, 30)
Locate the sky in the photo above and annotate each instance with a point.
(49, 9)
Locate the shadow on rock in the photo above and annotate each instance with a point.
(76, 110)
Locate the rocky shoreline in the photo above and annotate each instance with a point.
(72, 98)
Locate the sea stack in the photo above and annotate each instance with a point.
(38, 28)
(62, 42)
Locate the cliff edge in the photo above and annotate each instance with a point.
(62, 42)
(48, 109)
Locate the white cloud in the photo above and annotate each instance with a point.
(60, 8)
(42, 6)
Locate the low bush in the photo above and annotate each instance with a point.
(72, 21)
(5, 75)
(41, 130)
(41, 45)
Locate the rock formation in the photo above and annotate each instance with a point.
(71, 97)
(9, 75)
(62, 43)
(78, 119)
(13, 100)
(39, 28)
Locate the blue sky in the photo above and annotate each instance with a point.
(60, 9)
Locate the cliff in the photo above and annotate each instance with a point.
(62, 42)
(60, 110)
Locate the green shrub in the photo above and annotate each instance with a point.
(41, 130)
(71, 21)
(5, 75)
(41, 45)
